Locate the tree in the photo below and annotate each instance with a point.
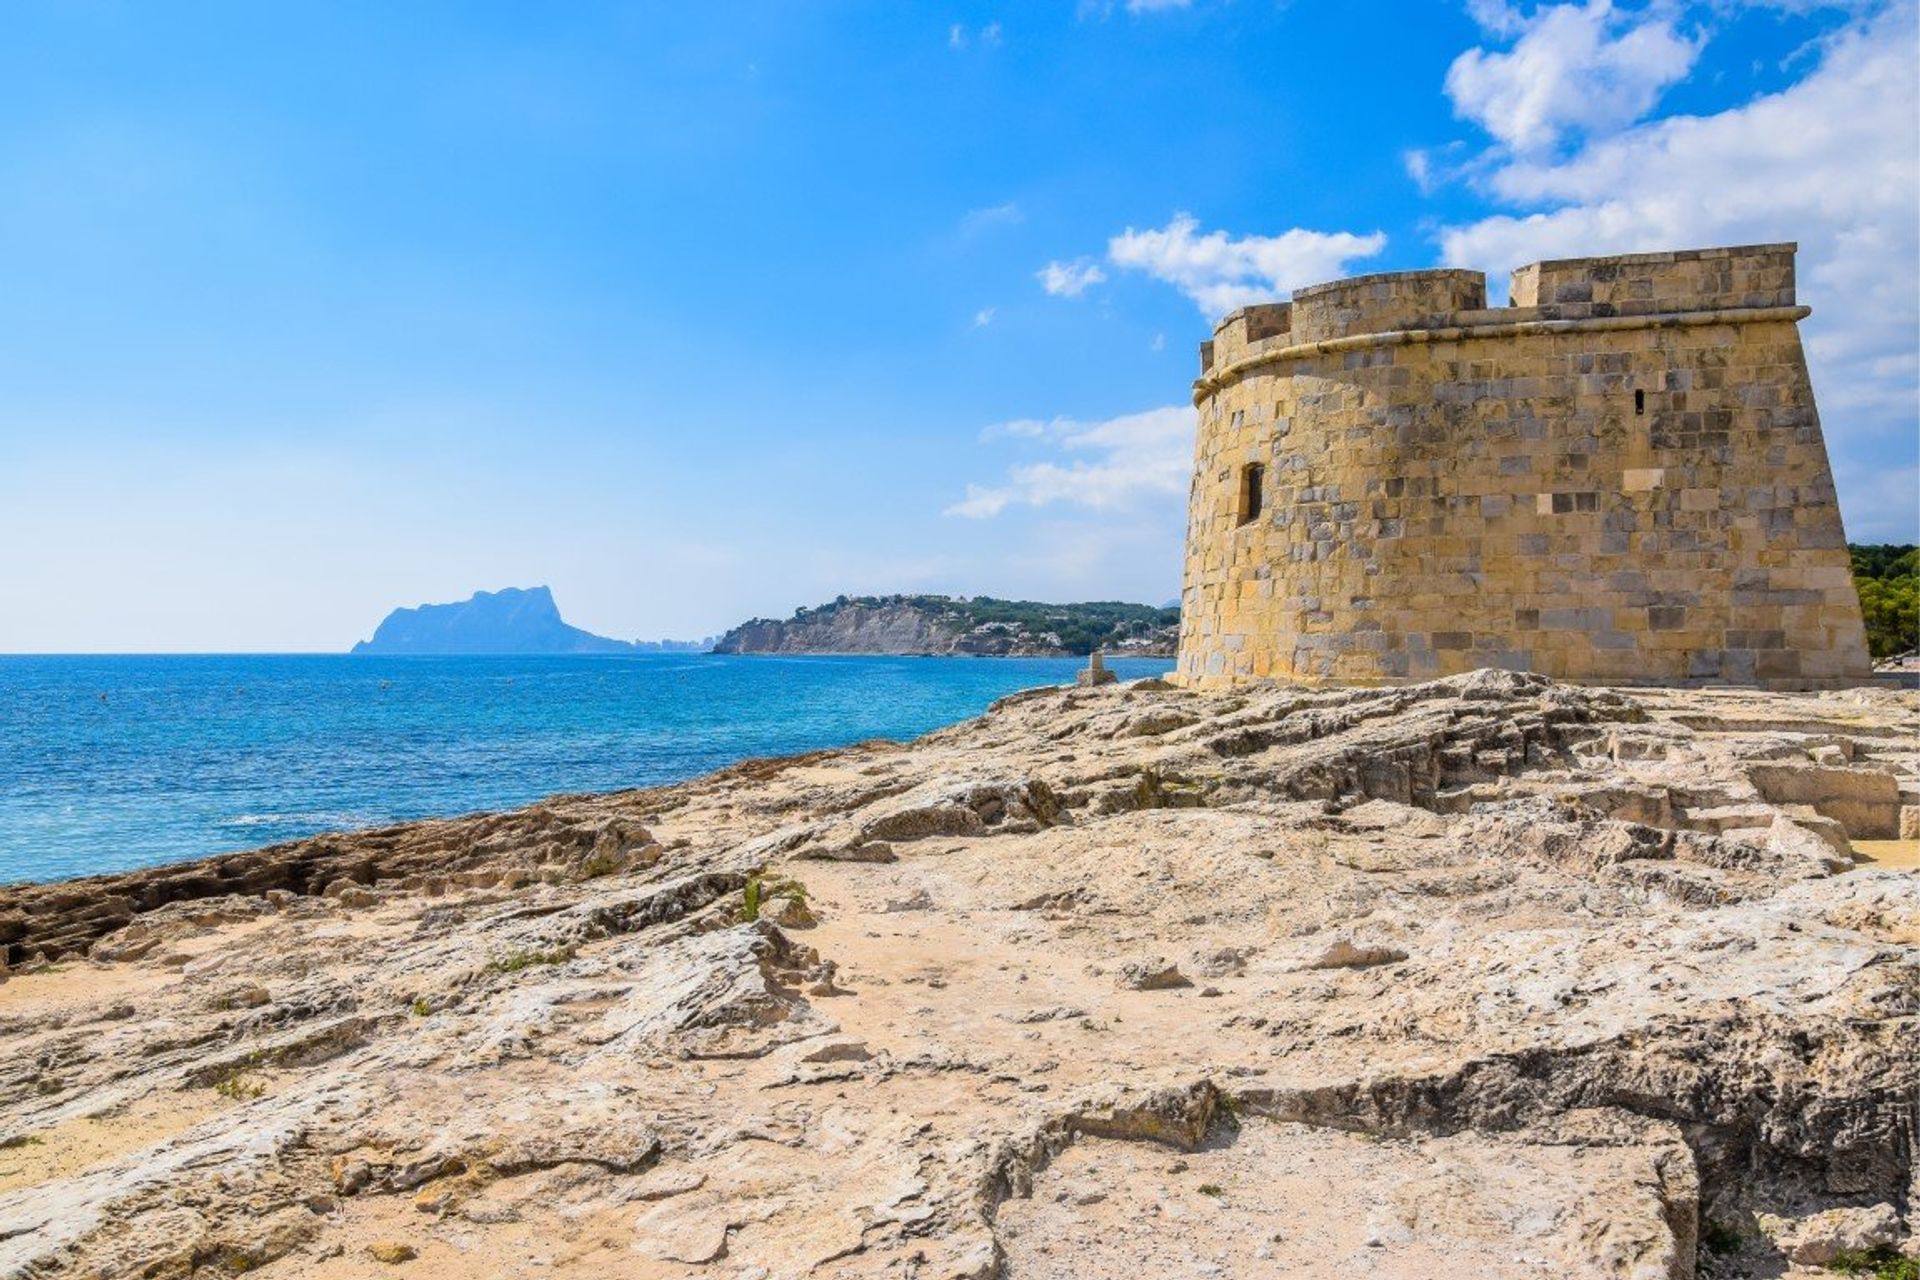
(1888, 580)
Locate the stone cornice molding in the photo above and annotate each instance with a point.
(1214, 381)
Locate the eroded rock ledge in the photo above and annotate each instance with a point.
(1487, 977)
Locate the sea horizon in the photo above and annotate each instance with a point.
(1081, 659)
(123, 761)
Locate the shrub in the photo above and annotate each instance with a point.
(1880, 1264)
(1891, 609)
(1888, 580)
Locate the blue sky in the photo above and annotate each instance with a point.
(699, 312)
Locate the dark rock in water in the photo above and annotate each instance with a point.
(515, 620)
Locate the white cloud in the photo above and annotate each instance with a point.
(958, 36)
(1018, 429)
(1125, 461)
(981, 503)
(1497, 17)
(1794, 6)
(1103, 9)
(1832, 161)
(1221, 273)
(1432, 168)
(1070, 279)
(984, 317)
(1420, 168)
(1576, 67)
(999, 215)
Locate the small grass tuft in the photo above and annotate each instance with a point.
(239, 1087)
(1211, 1189)
(1878, 1264)
(761, 891)
(231, 1079)
(420, 1007)
(20, 1140)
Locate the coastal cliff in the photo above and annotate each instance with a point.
(955, 626)
(1487, 977)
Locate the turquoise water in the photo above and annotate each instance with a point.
(108, 763)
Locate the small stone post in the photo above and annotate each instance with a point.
(1096, 672)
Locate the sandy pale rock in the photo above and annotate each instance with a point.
(1506, 978)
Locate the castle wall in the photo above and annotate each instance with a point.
(1622, 479)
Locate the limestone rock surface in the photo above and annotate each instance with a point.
(1500, 978)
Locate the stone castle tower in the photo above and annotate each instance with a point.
(1619, 478)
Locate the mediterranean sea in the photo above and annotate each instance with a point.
(109, 763)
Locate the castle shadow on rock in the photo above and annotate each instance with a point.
(1619, 478)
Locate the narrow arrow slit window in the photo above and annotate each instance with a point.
(1253, 478)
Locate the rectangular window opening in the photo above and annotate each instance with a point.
(1252, 491)
(1639, 403)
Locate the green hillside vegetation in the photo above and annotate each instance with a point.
(1886, 576)
(1081, 627)
(1888, 579)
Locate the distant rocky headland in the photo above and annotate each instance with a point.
(513, 620)
(526, 620)
(980, 626)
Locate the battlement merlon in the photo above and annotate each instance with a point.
(1753, 275)
(1756, 278)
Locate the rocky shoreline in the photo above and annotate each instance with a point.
(1487, 977)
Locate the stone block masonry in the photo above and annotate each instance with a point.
(1619, 478)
